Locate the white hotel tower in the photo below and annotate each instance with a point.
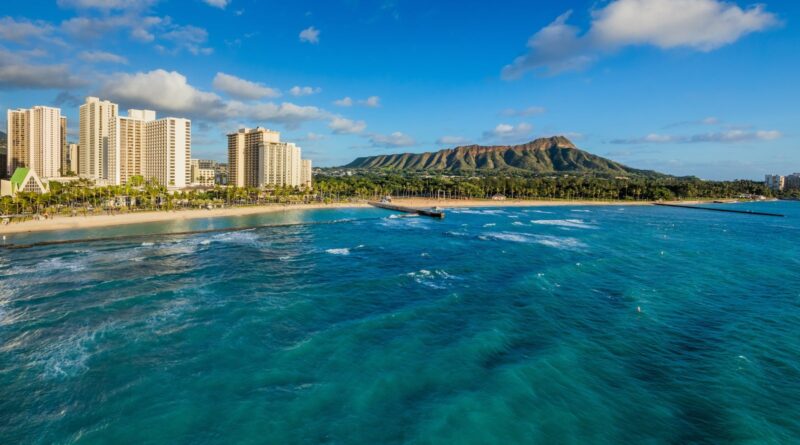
(258, 158)
(35, 140)
(120, 147)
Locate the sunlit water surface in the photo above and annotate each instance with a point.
(581, 325)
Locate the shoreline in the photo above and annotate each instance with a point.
(65, 223)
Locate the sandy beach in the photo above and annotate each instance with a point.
(87, 222)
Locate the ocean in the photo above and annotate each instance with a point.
(551, 325)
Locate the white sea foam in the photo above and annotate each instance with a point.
(436, 279)
(517, 223)
(580, 211)
(489, 225)
(574, 223)
(342, 251)
(147, 244)
(545, 240)
(540, 211)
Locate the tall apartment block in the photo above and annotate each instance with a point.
(96, 118)
(168, 151)
(258, 158)
(35, 140)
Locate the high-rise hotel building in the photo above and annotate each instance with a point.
(168, 151)
(35, 140)
(127, 137)
(115, 148)
(96, 118)
(258, 158)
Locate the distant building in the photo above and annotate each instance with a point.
(775, 182)
(69, 160)
(34, 140)
(305, 174)
(258, 158)
(96, 119)
(3, 155)
(792, 181)
(168, 151)
(24, 179)
(203, 172)
(221, 174)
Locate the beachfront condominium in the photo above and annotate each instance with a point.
(69, 160)
(305, 173)
(127, 153)
(35, 140)
(258, 158)
(168, 151)
(775, 182)
(96, 117)
(203, 172)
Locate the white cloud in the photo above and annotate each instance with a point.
(310, 35)
(286, 113)
(106, 5)
(101, 57)
(508, 132)
(530, 111)
(221, 4)
(241, 88)
(394, 140)
(304, 91)
(372, 102)
(165, 91)
(190, 38)
(701, 25)
(452, 140)
(340, 125)
(16, 73)
(344, 102)
(22, 31)
(169, 92)
(730, 136)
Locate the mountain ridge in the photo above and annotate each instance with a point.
(555, 154)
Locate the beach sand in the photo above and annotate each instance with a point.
(94, 221)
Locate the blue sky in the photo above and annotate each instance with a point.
(688, 87)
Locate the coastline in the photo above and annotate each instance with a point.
(59, 223)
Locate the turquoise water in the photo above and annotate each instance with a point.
(575, 325)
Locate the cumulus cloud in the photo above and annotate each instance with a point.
(525, 112)
(452, 140)
(701, 25)
(304, 91)
(101, 57)
(166, 91)
(221, 4)
(23, 31)
(508, 132)
(340, 125)
(310, 35)
(393, 140)
(344, 102)
(730, 136)
(372, 102)
(241, 88)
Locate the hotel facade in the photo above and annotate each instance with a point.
(96, 159)
(36, 140)
(258, 158)
(118, 148)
